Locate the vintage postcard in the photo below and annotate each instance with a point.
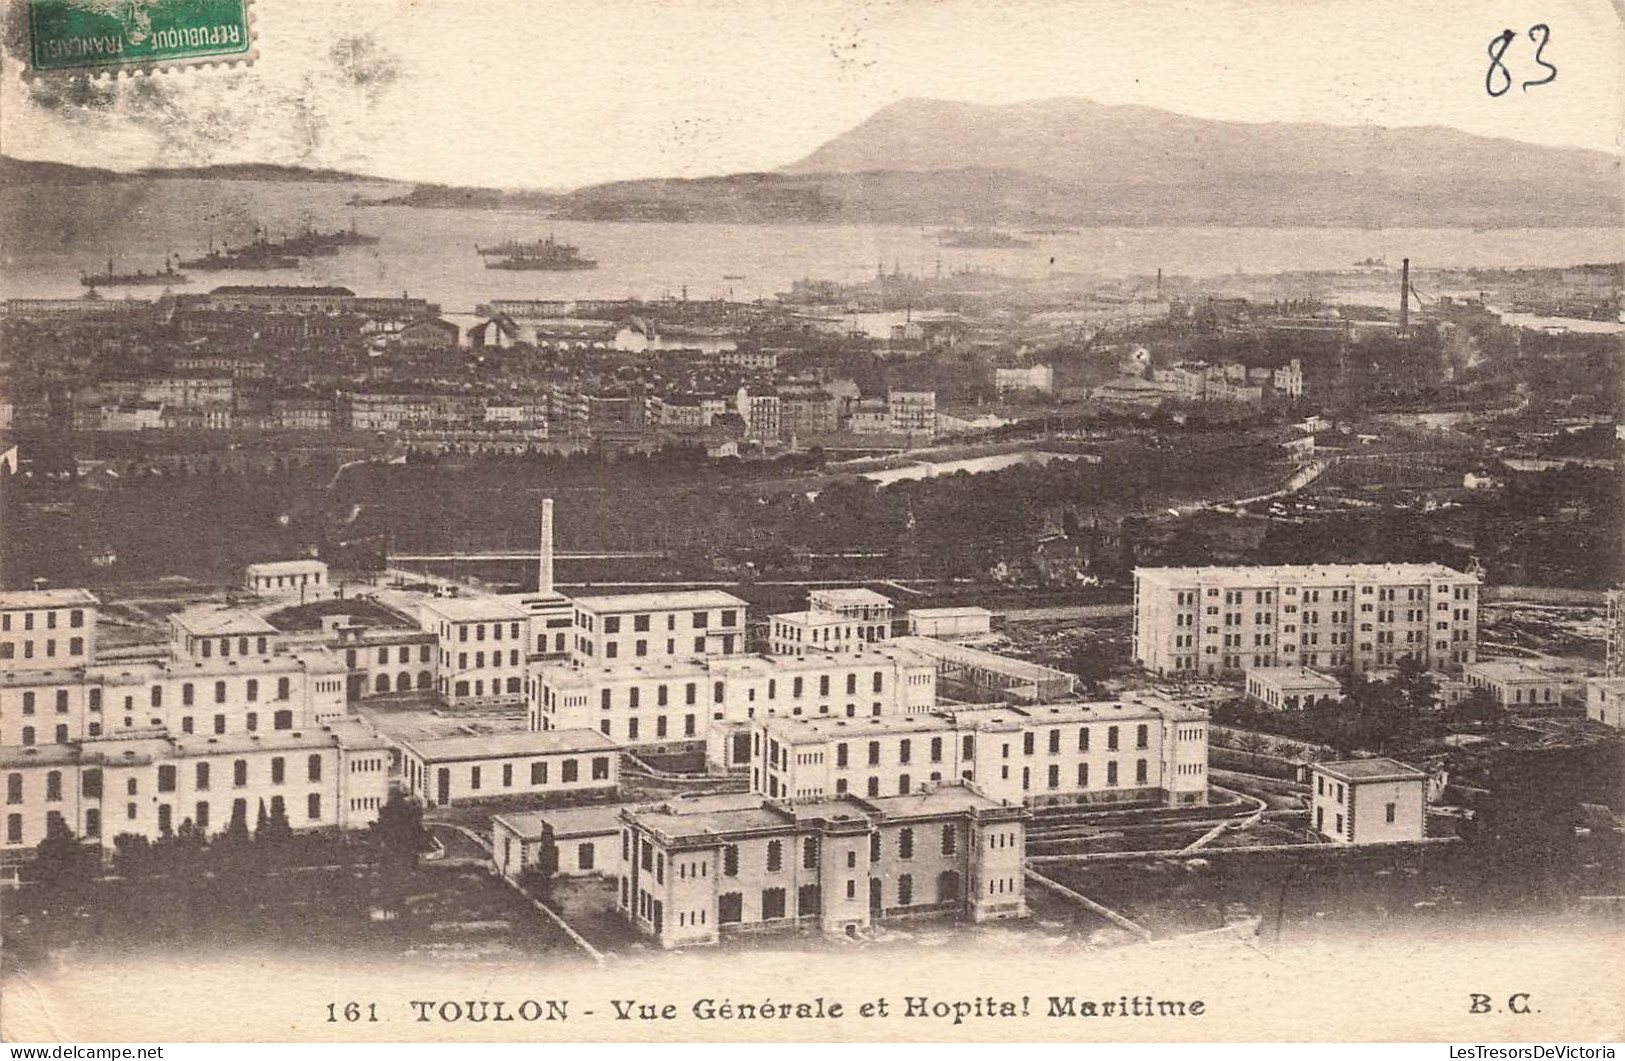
(906, 520)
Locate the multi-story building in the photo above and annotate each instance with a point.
(483, 641)
(798, 633)
(873, 610)
(760, 413)
(1359, 617)
(912, 412)
(673, 702)
(693, 871)
(220, 631)
(333, 775)
(1146, 749)
(383, 660)
(1368, 801)
(639, 626)
(47, 629)
(181, 696)
(808, 411)
(279, 298)
(446, 770)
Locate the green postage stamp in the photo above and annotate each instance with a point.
(112, 35)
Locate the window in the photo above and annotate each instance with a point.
(905, 889)
(809, 853)
(202, 784)
(730, 863)
(14, 828)
(219, 692)
(283, 688)
(14, 788)
(600, 768)
(538, 773)
(314, 767)
(53, 786)
(474, 778)
(1141, 771)
(775, 856)
(772, 903)
(950, 839)
(239, 773)
(279, 770)
(584, 856)
(874, 753)
(1111, 738)
(313, 806)
(1028, 743)
(905, 843)
(166, 779)
(1111, 772)
(840, 756)
(282, 720)
(730, 908)
(1142, 736)
(569, 770)
(1391, 809)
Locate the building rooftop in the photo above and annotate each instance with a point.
(964, 655)
(474, 609)
(280, 289)
(213, 620)
(818, 728)
(1250, 573)
(1289, 678)
(31, 599)
(564, 675)
(286, 567)
(1357, 770)
(812, 618)
(655, 602)
(968, 611)
(1509, 670)
(506, 745)
(566, 821)
(854, 596)
(113, 674)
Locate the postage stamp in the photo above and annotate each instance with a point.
(70, 35)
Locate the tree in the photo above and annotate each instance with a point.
(236, 830)
(62, 865)
(539, 876)
(399, 829)
(273, 828)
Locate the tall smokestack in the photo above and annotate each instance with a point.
(1404, 296)
(544, 571)
(1159, 283)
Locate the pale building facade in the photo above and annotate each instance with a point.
(333, 776)
(1368, 801)
(695, 871)
(1360, 617)
(664, 703)
(1145, 750)
(446, 770)
(646, 626)
(484, 642)
(46, 629)
(300, 580)
(1514, 683)
(587, 840)
(1291, 688)
(1605, 701)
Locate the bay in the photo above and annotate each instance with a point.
(55, 233)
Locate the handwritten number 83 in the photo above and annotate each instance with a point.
(1498, 79)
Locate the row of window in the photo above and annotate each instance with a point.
(76, 619)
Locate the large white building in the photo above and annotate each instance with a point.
(334, 775)
(1515, 683)
(1359, 617)
(299, 580)
(666, 703)
(643, 626)
(1142, 749)
(484, 644)
(693, 871)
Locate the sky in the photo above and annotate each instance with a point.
(550, 94)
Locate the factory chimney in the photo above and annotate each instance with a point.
(544, 573)
(1404, 296)
(1159, 283)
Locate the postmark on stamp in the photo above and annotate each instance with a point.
(116, 35)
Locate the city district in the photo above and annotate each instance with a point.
(840, 769)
